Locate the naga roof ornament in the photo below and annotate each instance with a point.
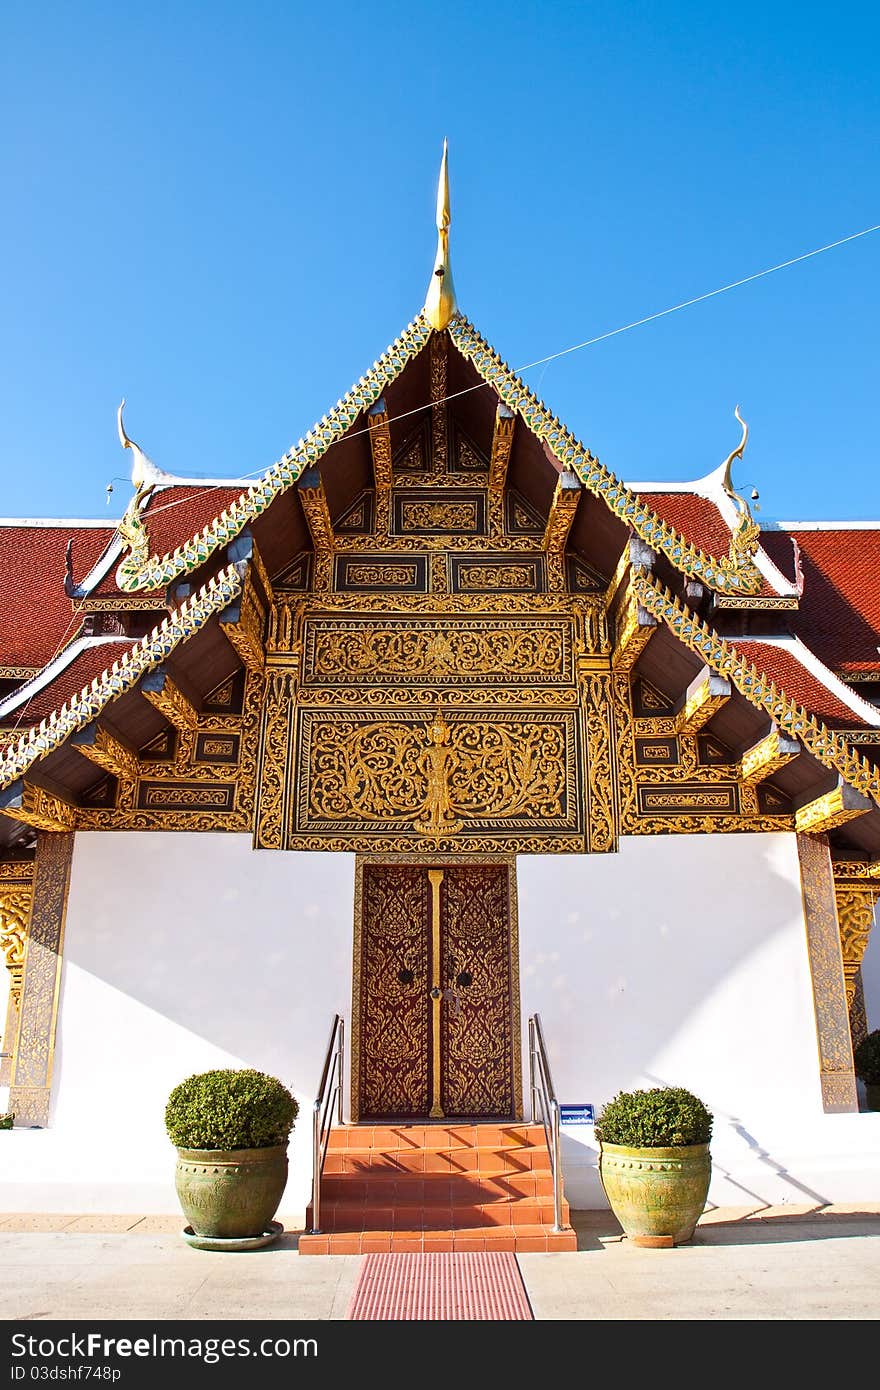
(144, 476)
(440, 306)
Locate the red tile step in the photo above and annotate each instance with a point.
(416, 1188)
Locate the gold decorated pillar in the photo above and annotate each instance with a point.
(276, 756)
(34, 1049)
(594, 676)
(278, 730)
(826, 970)
(16, 891)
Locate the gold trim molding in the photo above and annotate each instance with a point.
(34, 1050)
(827, 975)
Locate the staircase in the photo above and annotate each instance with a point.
(436, 1188)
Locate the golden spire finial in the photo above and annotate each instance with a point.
(440, 305)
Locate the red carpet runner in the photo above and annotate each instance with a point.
(448, 1285)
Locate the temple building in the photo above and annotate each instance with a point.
(437, 726)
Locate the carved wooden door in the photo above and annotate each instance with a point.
(436, 1017)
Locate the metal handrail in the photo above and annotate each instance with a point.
(329, 1091)
(545, 1104)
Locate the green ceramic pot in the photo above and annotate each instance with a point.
(230, 1193)
(657, 1195)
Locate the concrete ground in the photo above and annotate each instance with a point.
(775, 1263)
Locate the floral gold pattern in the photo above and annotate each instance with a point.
(484, 771)
(394, 1046)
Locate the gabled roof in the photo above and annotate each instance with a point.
(79, 663)
(703, 512)
(148, 566)
(807, 680)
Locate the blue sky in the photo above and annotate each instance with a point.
(225, 213)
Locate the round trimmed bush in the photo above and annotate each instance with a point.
(663, 1118)
(228, 1109)
(867, 1059)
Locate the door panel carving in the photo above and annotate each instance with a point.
(476, 1041)
(394, 987)
(405, 1057)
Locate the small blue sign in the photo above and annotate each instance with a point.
(577, 1115)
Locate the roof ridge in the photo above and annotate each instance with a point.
(736, 572)
(141, 570)
(58, 663)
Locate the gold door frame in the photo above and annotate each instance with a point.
(439, 861)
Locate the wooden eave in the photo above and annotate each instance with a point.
(669, 666)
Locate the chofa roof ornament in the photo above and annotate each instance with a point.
(744, 541)
(440, 305)
(144, 476)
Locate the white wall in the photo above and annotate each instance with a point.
(182, 952)
(682, 960)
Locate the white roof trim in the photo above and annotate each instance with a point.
(808, 659)
(692, 485)
(824, 526)
(100, 568)
(172, 480)
(54, 668)
(58, 522)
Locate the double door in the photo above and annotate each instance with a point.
(436, 1021)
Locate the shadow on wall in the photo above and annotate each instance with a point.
(682, 956)
(780, 1175)
(177, 940)
(580, 1159)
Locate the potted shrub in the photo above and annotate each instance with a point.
(230, 1129)
(654, 1163)
(867, 1064)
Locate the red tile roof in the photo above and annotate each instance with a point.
(36, 613)
(82, 670)
(177, 513)
(696, 518)
(798, 683)
(700, 522)
(839, 611)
